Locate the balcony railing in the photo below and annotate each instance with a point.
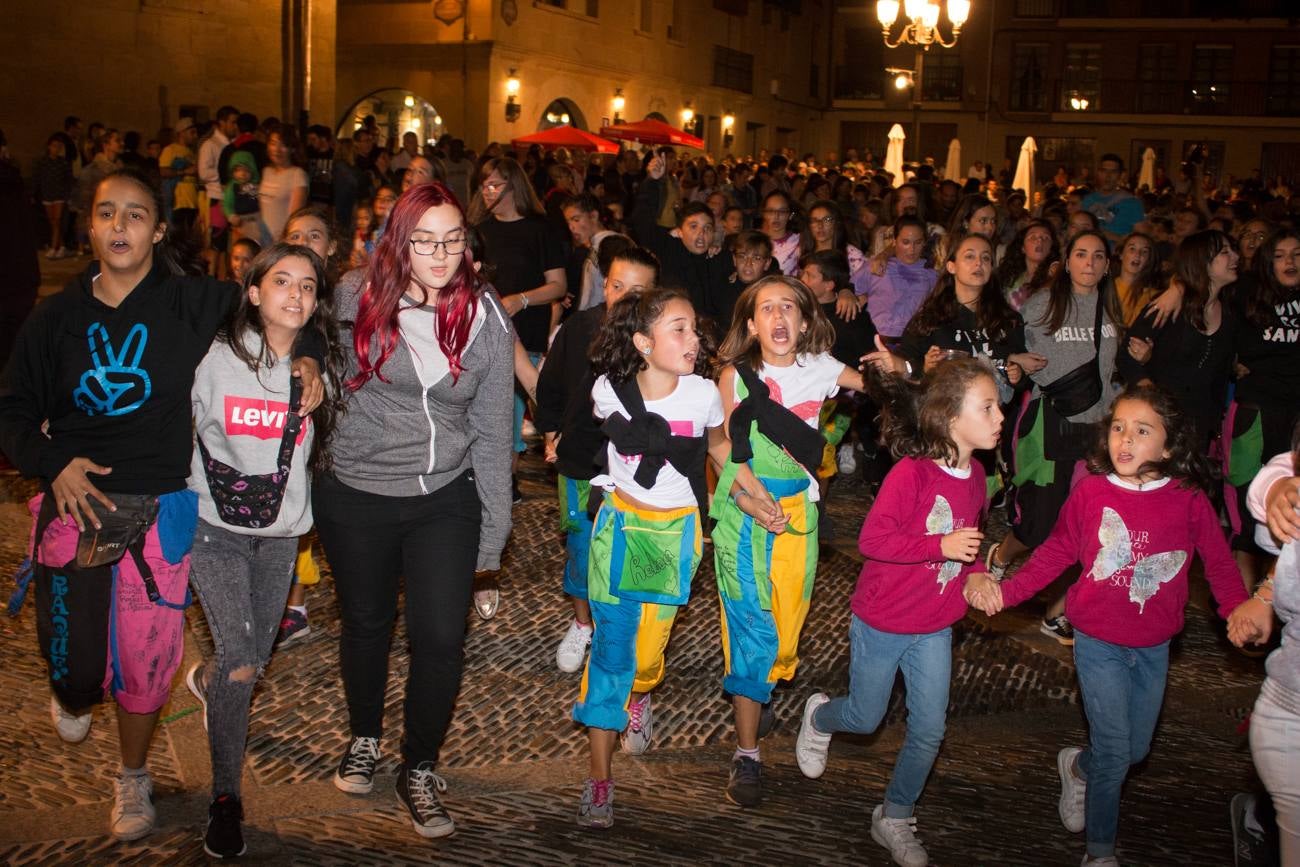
(1126, 96)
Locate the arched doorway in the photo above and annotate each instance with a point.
(396, 112)
(561, 112)
(654, 115)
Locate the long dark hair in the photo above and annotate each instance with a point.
(1014, 264)
(518, 187)
(915, 418)
(839, 239)
(389, 278)
(246, 319)
(1187, 461)
(1061, 300)
(614, 354)
(1261, 304)
(992, 312)
(179, 252)
(1191, 263)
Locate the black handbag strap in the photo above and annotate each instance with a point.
(1096, 327)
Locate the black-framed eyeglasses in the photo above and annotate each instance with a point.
(428, 246)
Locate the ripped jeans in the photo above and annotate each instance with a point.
(242, 583)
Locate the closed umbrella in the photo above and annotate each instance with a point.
(894, 154)
(1025, 177)
(952, 171)
(1147, 177)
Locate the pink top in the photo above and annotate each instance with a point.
(906, 585)
(1136, 548)
(1280, 467)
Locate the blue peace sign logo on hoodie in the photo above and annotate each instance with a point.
(115, 384)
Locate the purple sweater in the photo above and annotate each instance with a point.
(906, 585)
(1136, 548)
(893, 297)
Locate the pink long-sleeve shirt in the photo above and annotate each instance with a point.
(906, 585)
(1136, 547)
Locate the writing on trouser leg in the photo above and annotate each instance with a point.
(59, 622)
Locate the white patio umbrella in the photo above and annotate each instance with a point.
(894, 154)
(1147, 177)
(952, 171)
(1025, 176)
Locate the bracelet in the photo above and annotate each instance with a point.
(523, 297)
(741, 493)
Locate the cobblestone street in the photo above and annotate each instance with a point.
(515, 763)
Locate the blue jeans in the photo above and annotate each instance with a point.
(876, 658)
(1123, 689)
(520, 406)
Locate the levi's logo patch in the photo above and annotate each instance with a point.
(254, 417)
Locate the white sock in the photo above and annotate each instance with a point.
(748, 754)
(301, 609)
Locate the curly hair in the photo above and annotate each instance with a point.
(992, 312)
(916, 418)
(613, 352)
(740, 345)
(1187, 461)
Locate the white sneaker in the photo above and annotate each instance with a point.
(573, 647)
(133, 814)
(1103, 861)
(640, 727)
(811, 746)
(1073, 790)
(70, 727)
(845, 460)
(899, 837)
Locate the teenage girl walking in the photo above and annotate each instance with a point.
(919, 539)
(779, 372)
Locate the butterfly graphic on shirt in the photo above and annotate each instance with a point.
(1117, 552)
(939, 522)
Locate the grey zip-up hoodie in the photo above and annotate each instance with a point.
(418, 431)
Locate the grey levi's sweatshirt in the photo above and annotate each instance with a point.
(418, 431)
(1070, 346)
(240, 416)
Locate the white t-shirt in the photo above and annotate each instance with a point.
(693, 406)
(802, 388)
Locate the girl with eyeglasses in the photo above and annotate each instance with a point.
(779, 224)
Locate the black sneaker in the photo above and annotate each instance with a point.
(1059, 628)
(357, 768)
(766, 720)
(224, 838)
(417, 791)
(515, 496)
(745, 787)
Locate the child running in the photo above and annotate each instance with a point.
(661, 415)
(779, 371)
(1133, 525)
(250, 474)
(920, 536)
(574, 442)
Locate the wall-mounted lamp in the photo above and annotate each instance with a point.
(409, 102)
(688, 115)
(1079, 103)
(728, 130)
(903, 78)
(512, 92)
(619, 103)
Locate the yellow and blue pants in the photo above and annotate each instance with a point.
(576, 524)
(631, 635)
(765, 587)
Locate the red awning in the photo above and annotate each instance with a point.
(567, 137)
(652, 132)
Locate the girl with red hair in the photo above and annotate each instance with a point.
(420, 483)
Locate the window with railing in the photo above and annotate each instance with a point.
(733, 69)
(1028, 76)
(1211, 80)
(1081, 81)
(1284, 81)
(860, 68)
(1035, 8)
(942, 77)
(1158, 88)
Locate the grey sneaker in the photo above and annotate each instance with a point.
(357, 768)
(640, 727)
(1073, 790)
(417, 791)
(133, 815)
(745, 785)
(811, 746)
(899, 837)
(1059, 628)
(71, 727)
(597, 807)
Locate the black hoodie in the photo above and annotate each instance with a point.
(114, 383)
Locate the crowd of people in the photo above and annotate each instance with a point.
(270, 336)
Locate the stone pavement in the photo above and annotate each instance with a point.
(515, 763)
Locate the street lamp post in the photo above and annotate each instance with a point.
(920, 27)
